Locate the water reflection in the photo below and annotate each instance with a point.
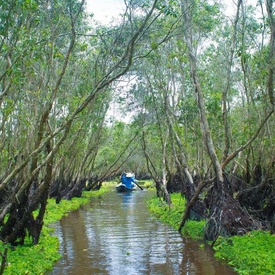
(116, 235)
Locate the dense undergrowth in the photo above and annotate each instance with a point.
(36, 259)
(250, 254)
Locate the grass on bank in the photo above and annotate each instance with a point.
(251, 254)
(37, 259)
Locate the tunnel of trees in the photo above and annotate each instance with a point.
(180, 91)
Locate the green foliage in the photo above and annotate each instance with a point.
(205, 16)
(169, 8)
(251, 254)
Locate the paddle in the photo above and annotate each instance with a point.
(138, 185)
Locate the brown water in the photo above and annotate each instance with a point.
(115, 235)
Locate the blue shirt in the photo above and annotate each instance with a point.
(128, 181)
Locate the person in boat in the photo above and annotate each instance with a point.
(128, 179)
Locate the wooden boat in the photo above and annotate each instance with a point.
(122, 188)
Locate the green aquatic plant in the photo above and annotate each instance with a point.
(250, 254)
(33, 259)
(148, 184)
(194, 229)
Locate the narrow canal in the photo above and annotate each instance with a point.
(116, 235)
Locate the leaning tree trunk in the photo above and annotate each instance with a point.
(226, 215)
(197, 209)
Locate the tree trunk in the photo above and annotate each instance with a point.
(226, 216)
(3, 255)
(195, 206)
(164, 173)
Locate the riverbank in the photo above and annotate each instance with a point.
(36, 259)
(250, 254)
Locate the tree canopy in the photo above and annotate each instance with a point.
(178, 91)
